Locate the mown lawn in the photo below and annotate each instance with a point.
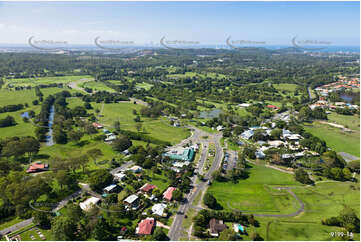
(255, 194)
(335, 138)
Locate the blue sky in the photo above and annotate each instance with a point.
(206, 22)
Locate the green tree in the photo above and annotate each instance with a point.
(75, 135)
(99, 179)
(94, 154)
(121, 143)
(177, 195)
(42, 219)
(210, 201)
(63, 228)
(160, 235)
(302, 176)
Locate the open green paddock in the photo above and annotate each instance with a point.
(158, 128)
(336, 138)
(144, 85)
(349, 121)
(257, 194)
(21, 97)
(323, 200)
(285, 87)
(44, 80)
(97, 86)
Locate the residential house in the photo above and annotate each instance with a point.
(146, 226)
(97, 125)
(147, 188)
(247, 134)
(119, 176)
(272, 107)
(131, 201)
(158, 209)
(168, 194)
(111, 188)
(216, 226)
(37, 167)
(136, 169)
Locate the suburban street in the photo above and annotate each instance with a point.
(176, 228)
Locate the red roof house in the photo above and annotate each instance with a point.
(272, 106)
(98, 126)
(167, 195)
(37, 166)
(145, 227)
(147, 187)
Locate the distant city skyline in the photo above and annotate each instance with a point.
(207, 23)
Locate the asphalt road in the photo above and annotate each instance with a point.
(17, 226)
(176, 228)
(122, 167)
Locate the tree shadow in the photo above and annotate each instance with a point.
(82, 143)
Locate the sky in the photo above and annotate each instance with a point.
(274, 23)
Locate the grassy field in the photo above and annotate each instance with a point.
(144, 85)
(21, 97)
(285, 87)
(158, 128)
(98, 86)
(321, 201)
(335, 138)
(43, 80)
(351, 122)
(255, 193)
